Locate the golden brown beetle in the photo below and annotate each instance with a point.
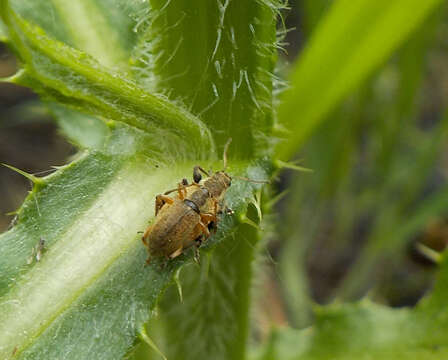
(187, 219)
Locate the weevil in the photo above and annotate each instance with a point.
(179, 225)
(187, 219)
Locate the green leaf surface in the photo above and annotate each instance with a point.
(218, 58)
(351, 41)
(216, 300)
(72, 78)
(90, 293)
(102, 29)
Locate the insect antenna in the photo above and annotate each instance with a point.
(224, 155)
(251, 180)
(170, 191)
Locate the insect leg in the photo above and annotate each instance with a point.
(177, 189)
(145, 235)
(207, 218)
(225, 209)
(40, 249)
(181, 191)
(31, 258)
(176, 253)
(204, 228)
(162, 200)
(210, 220)
(169, 191)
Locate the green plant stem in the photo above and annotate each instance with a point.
(62, 74)
(218, 58)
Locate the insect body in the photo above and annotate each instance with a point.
(187, 219)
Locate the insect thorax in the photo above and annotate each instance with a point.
(217, 184)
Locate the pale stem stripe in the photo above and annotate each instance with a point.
(91, 31)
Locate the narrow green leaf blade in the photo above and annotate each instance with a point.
(352, 40)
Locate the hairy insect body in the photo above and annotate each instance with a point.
(187, 219)
(198, 197)
(217, 184)
(176, 228)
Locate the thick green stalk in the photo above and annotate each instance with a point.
(351, 41)
(90, 294)
(62, 74)
(212, 320)
(217, 57)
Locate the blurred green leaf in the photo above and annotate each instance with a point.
(64, 75)
(3, 36)
(401, 219)
(352, 40)
(374, 162)
(103, 29)
(368, 331)
(312, 12)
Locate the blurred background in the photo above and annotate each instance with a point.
(29, 140)
(370, 219)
